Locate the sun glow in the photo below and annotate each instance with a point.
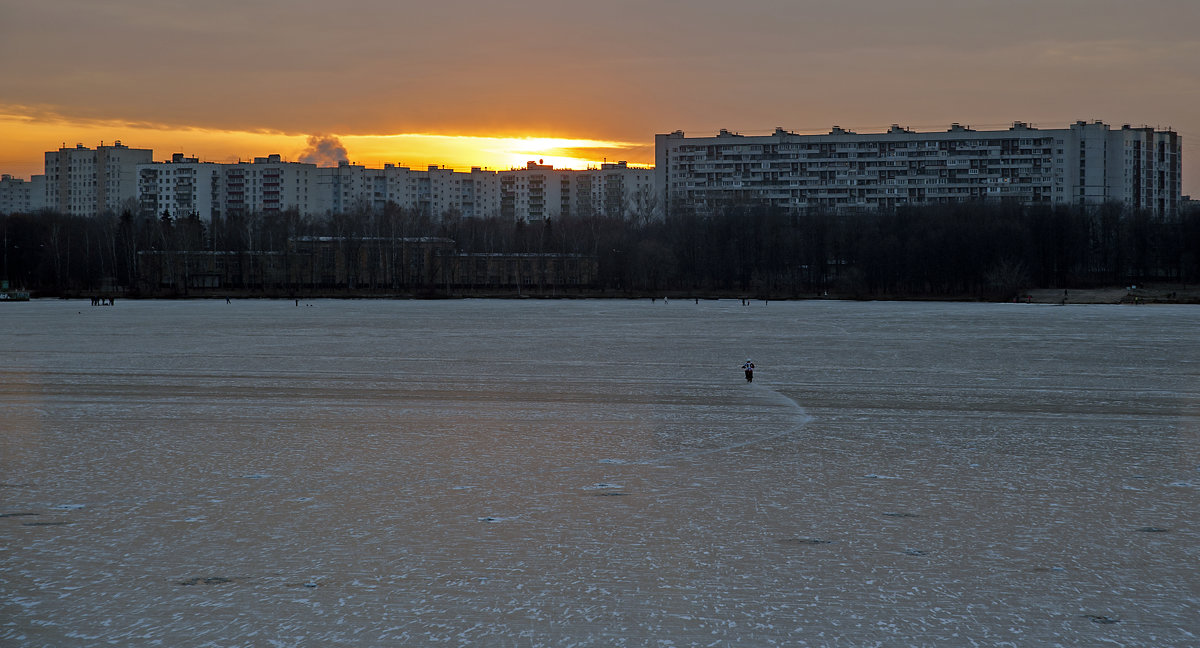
(496, 153)
(27, 137)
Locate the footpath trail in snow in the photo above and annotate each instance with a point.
(801, 418)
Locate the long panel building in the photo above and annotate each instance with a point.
(435, 190)
(184, 185)
(1086, 163)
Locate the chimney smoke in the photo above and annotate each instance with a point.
(324, 151)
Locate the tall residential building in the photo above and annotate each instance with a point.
(1147, 173)
(116, 178)
(478, 194)
(441, 192)
(269, 185)
(435, 191)
(88, 182)
(540, 191)
(537, 192)
(19, 196)
(180, 188)
(1086, 163)
(619, 191)
(348, 186)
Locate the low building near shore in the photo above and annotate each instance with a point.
(359, 267)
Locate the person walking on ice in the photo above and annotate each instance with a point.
(748, 367)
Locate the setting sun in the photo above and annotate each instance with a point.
(28, 136)
(497, 153)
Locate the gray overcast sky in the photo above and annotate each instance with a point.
(616, 69)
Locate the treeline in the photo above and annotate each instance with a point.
(965, 250)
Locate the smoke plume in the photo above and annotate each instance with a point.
(324, 150)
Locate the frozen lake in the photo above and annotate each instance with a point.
(598, 473)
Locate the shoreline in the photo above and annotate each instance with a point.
(1133, 295)
(1148, 294)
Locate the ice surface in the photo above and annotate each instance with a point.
(598, 473)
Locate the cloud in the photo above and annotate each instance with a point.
(324, 150)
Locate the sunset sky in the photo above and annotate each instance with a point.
(494, 84)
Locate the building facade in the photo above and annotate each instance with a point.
(436, 191)
(184, 186)
(116, 178)
(537, 192)
(180, 188)
(269, 185)
(1086, 163)
(19, 196)
(619, 191)
(88, 182)
(332, 265)
(540, 191)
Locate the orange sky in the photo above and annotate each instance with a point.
(462, 83)
(27, 136)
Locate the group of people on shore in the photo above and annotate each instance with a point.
(103, 301)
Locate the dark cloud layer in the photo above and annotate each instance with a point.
(616, 70)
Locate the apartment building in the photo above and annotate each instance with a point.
(87, 182)
(20, 196)
(185, 185)
(114, 178)
(467, 195)
(619, 191)
(180, 188)
(343, 187)
(269, 185)
(1086, 163)
(537, 192)
(540, 191)
(1145, 171)
(435, 191)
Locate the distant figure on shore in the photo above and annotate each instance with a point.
(748, 367)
